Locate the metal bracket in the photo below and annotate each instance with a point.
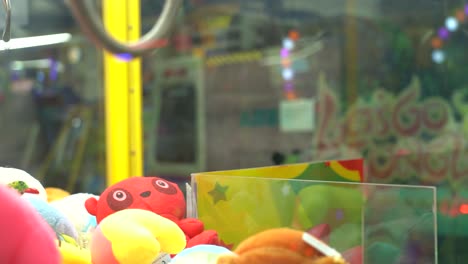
(92, 26)
(7, 30)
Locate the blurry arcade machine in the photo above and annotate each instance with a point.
(231, 57)
(177, 148)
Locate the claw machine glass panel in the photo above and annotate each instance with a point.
(298, 81)
(51, 103)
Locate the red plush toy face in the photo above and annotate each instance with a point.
(149, 193)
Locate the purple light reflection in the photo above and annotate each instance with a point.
(443, 33)
(53, 71)
(466, 9)
(284, 53)
(288, 86)
(339, 214)
(15, 75)
(124, 57)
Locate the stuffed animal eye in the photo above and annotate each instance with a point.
(119, 199)
(162, 184)
(164, 187)
(119, 195)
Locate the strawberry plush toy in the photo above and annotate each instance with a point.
(153, 194)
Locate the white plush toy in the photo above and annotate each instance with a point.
(10, 175)
(74, 209)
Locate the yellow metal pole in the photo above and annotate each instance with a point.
(122, 90)
(135, 105)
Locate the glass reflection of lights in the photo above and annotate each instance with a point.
(288, 44)
(288, 74)
(464, 209)
(286, 63)
(452, 24)
(124, 57)
(444, 33)
(29, 42)
(438, 56)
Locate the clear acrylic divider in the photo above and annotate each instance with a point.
(383, 223)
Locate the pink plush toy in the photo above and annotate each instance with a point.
(25, 236)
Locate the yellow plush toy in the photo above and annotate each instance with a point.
(72, 254)
(135, 236)
(54, 194)
(131, 236)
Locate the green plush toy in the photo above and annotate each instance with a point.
(338, 206)
(20, 186)
(22, 181)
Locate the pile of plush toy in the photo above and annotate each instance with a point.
(138, 220)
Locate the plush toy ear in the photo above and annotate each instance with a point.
(91, 206)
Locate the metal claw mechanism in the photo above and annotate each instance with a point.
(6, 30)
(91, 25)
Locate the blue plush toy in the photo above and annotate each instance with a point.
(59, 222)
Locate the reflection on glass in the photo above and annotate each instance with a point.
(51, 99)
(177, 138)
(388, 79)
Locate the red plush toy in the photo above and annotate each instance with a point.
(153, 194)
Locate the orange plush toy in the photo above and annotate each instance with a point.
(282, 245)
